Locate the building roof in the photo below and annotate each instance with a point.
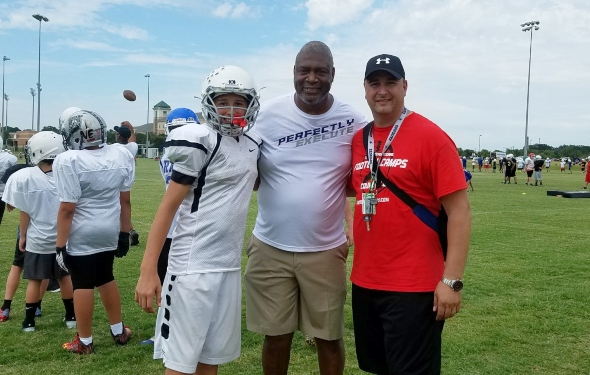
(162, 104)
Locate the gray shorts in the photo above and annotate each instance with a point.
(42, 266)
(538, 176)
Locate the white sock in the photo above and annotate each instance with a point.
(86, 340)
(117, 329)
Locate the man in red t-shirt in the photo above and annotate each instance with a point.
(403, 289)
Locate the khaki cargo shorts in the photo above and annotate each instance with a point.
(289, 291)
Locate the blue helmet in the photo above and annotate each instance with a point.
(180, 117)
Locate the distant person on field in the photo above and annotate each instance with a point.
(486, 164)
(32, 190)
(509, 168)
(583, 165)
(562, 166)
(126, 138)
(464, 161)
(569, 165)
(213, 175)
(94, 219)
(587, 179)
(468, 178)
(538, 166)
(473, 162)
(494, 164)
(548, 164)
(520, 164)
(529, 168)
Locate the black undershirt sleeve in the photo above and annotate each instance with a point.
(181, 178)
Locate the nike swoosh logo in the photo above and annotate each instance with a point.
(251, 150)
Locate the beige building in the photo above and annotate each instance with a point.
(19, 139)
(161, 110)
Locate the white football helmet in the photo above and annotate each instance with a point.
(509, 156)
(229, 79)
(84, 129)
(180, 117)
(63, 119)
(538, 157)
(42, 146)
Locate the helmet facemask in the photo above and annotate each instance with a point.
(230, 80)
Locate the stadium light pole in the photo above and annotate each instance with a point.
(147, 121)
(4, 59)
(479, 145)
(39, 18)
(6, 98)
(528, 26)
(33, 115)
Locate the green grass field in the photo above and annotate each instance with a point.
(525, 305)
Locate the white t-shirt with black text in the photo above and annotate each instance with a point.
(304, 167)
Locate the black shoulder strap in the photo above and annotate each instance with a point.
(419, 210)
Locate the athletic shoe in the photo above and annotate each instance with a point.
(70, 323)
(4, 315)
(149, 341)
(122, 338)
(28, 327)
(38, 312)
(133, 238)
(77, 346)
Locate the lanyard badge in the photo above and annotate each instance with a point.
(369, 199)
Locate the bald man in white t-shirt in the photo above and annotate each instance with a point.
(298, 248)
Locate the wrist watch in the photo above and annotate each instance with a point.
(456, 284)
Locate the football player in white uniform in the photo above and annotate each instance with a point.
(33, 192)
(215, 167)
(94, 218)
(176, 118)
(126, 138)
(7, 160)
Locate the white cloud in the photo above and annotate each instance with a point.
(326, 13)
(232, 10)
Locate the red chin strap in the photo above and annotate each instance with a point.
(240, 121)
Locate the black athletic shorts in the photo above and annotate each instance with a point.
(529, 173)
(91, 271)
(2, 208)
(396, 333)
(42, 266)
(19, 256)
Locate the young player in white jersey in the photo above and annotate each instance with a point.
(215, 167)
(94, 218)
(33, 192)
(176, 118)
(7, 160)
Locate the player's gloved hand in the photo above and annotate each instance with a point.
(122, 245)
(61, 257)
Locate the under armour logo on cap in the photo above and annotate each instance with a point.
(391, 64)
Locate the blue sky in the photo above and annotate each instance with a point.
(466, 61)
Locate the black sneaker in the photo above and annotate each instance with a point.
(133, 238)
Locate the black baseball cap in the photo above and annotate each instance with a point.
(123, 131)
(388, 63)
